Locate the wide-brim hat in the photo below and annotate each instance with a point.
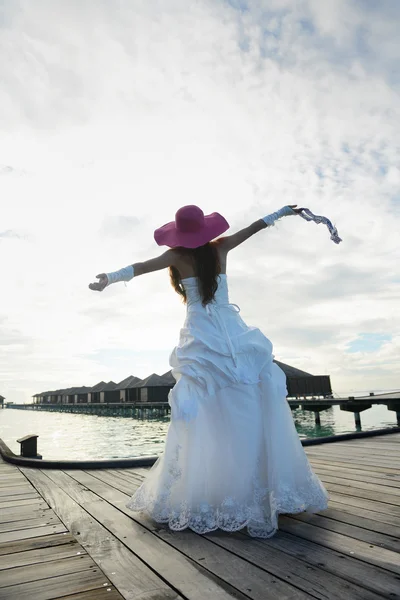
(191, 228)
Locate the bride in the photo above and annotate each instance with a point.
(232, 456)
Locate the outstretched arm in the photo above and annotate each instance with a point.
(167, 259)
(229, 242)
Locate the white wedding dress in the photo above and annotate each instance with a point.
(232, 455)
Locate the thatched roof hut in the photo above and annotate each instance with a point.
(155, 388)
(129, 382)
(292, 371)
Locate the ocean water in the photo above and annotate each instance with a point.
(77, 437)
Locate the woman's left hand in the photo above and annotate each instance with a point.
(296, 210)
(99, 286)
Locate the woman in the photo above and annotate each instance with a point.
(232, 456)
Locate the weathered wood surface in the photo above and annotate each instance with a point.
(39, 558)
(350, 551)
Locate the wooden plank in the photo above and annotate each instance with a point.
(191, 579)
(340, 564)
(374, 441)
(129, 478)
(376, 538)
(316, 581)
(386, 509)
(102, 594)
(380, 580)
(368, 446)
(25, 534)
(41, 521)
(374, 555)
(371, 471)
(387, 485)
(362, 518)
(354, 458)
(6, 478)
(359, 467)
(347, 473)
(376, 447)
(54, 568)
(350, 490)
(232, 577)
(367, 458)
(132, 473)
(44, 541)
(125, 570)
(221, 553)
(18, 490)
(126, 474)
(19, 513)
(142, 471)
(40, 555)
(114, 481)
(6, 468)
(5, 501)
(312, 581)
(366, 513)
(314, 460)
(13, 483)
(36, 499)
(350, 454)
(56, 587)
(393, 438)
(364, 485)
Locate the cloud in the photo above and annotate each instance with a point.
(119, 226)
(368, 342)
(113, 115)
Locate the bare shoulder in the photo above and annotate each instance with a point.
(181, 261)
(220, 245)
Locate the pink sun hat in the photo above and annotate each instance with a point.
(191, 228)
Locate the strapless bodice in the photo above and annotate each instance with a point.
(192, 291)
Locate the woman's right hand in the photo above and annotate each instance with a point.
(98, 286)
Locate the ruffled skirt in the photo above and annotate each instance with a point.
(232, 455)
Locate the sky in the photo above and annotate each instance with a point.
(114, 113)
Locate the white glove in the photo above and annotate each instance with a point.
(286, 211)
(125, 274)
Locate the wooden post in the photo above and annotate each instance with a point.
(316, 407)
(356, 407)
(29, 446)
(395, 406)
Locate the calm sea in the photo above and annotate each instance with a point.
(77, 437)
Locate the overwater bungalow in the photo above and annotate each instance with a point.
(155, 388)
(128, 390)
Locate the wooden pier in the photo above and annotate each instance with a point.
(156, 410)
(67, 534)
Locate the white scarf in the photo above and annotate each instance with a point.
(309, 216)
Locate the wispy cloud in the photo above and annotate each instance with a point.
(368, 342)
(118, 113)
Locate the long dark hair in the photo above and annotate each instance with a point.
(207, 268)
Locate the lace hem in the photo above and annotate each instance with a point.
(259, 515)
(210, 518)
